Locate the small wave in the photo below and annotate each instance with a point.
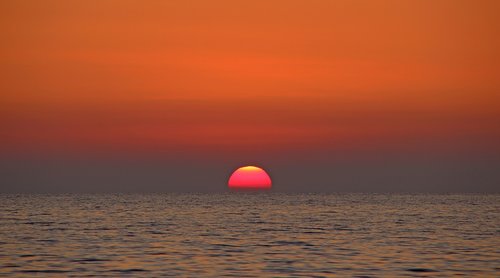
(418, 269)
(285, 242)
(89, 260)
(43, 271)
(41, 223)
(27, 255)
(129, 270)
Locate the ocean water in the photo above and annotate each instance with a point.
(250, 235)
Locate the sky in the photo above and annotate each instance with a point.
(327, 96)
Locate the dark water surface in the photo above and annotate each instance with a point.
(249, 235)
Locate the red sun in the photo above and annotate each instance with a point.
(249, 177)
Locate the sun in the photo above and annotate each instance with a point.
(250, 178)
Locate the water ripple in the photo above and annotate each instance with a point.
(250, 235)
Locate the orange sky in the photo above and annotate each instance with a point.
(154, 76)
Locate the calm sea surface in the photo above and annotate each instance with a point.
(249, 235)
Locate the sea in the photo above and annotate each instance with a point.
(244, 234)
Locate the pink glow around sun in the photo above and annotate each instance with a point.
(249, 177)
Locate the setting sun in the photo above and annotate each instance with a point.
(249, 177)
